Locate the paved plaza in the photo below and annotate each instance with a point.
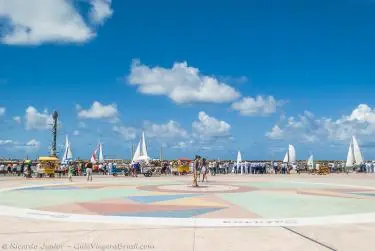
(231, 212)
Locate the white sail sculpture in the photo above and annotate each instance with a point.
(286, 157)
(290, 156)
(141, 151)
(93, 158)
(68, 156)
(357, 152)
(239, 160)
(310, 162)
(137, 152)
(101, 156)
(354, 156)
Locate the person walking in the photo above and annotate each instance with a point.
(204, 170)
(195, 171)
(71, 172)
(135, 169)
(89, 171)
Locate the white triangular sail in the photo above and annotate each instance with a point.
(64, 158)
(93, 158)
(137, 153)
(358, 159)
(101, 157)
(350, 156)
(292, 154)
(286, 157)
(310, 162)
(141, 151)
(68, 156)
(239, 160)
(144, 148)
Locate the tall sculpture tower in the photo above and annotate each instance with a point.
(55, 116)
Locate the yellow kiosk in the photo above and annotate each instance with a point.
(183, 166)
(47, 167)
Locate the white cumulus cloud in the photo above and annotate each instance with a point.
(249, 106)
(33, 144)
(181, 83)
(98, 111)
(308, 128)
(127, 133)
(6, 142)
(101, 10)
(37, 120)
(207, 126)
(275, 133)
(171, 129)
(183, 144)
(362, 114)
(17, 119)
(34, 22)
(12, 145)
(2, 111)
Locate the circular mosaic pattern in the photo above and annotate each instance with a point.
(255, 203)
(203, 189)
(207, 188)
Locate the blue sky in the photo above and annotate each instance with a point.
(205, 77)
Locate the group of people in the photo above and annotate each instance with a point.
(200, 167)
(250, 168)
(19, 169)
(76, 169)
(87, 168)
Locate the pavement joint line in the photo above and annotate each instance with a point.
(310, 239)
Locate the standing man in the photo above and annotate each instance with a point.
(89, 171)
(195, 171)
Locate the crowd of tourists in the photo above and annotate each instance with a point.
(81, 168)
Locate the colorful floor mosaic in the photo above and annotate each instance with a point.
(213, 200)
